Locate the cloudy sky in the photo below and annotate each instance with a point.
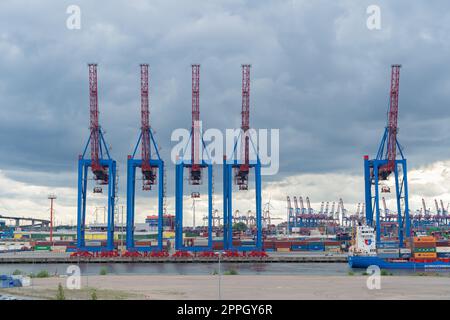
(318, 74)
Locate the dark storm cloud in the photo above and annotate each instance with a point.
(318, 74)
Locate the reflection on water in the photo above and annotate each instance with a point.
(197, 268)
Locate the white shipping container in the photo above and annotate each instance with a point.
(387, 250)
(405, 250)
(93, 243)
(442, 249)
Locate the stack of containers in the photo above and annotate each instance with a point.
(268, 245)
(388, 250)
(332, 246)
(299, 246)
(316, 246)
(283, 246)
(443, 249)
(424, 247)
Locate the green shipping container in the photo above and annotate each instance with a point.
(424, 249)
(42, 248)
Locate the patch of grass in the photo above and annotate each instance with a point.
(103, 271)
(386, 273)
(40, 274)
(364, 273)
(215, 272)
(351, 273)
(428, 274)
(231, 272)
(60, 293)
(17, 272)
(82, 294)
(94, 294)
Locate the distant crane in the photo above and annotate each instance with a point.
(290, 213)
(384, 165)
(438, 210)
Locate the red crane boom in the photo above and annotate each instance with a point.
(386, 170)
(195, 130)
(100, 173)
(241, 177)
(148, 173)
(245, 110)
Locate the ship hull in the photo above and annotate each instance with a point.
(366, 261)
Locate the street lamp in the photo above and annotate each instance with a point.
(51, 197)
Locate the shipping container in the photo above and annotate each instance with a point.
(388, 255)
(424, 239)
(424, 245)
(425, 255)
(299, 248)
(282, 244)
(442, 249)
(283, 249)
(388, 251)
(320, 247)
(431, 249)
(388, 245)
(443, 254)
(42, 248)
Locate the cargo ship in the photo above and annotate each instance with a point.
(420, 253)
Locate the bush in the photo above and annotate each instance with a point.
(94, 295)
(60, 293)
(351, 273)
(365, 273)
(40, 274)
(230, 272)
(17, 272)
(386, 273)
(215, 272)
(103, 271)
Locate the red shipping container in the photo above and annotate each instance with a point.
(282, 244)
(424, 244)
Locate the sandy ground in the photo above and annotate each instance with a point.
(243, 287)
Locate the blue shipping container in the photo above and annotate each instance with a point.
(387, 245)
(388, 255)
(443, 254)
(299, 247)
(316, 248)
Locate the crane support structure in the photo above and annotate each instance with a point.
(152, 169)
(384, 165)
(195, 165)
(103, 168)
(241, 167)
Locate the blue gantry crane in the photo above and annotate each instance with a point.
(237, 169)
(196, 164)
(385, 164)
(103, 168)
(152, 168)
